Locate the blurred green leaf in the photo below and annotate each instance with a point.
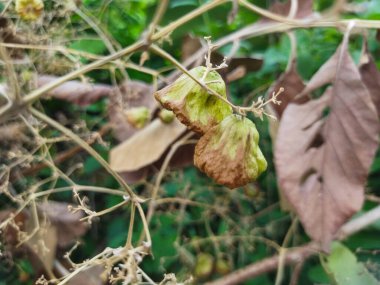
(344, 269)
(95, 46)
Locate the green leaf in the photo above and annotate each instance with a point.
(180, 3)
(344, 268)
(95, 46)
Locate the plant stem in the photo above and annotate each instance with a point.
(86, 147)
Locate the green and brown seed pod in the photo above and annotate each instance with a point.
(229, 152)
(192, 104)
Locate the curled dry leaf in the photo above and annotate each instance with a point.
(42, 244)
(304, 9)
(371, 78)
(229, 152)
(190, 44)
(75, 91)
(90, 276)
(325, 147)
(146, 146)
(13, 133)
(292, 83)
(68, 224)
(8, 35)
(57, 228)
(192, 104)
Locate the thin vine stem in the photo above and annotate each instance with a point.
(37, 93)
(86, 147)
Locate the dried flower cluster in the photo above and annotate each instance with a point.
(29, 10)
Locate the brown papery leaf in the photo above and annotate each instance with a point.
(75, 91)
(304, 9)
(68, 224)
(90, 276)
(190, 45)
(146, 146)
(292, 83)
(324, 150)
(371, 78)
(42, 244)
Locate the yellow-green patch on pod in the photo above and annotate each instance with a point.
(229, 152)
(166, 116)
(192, 104)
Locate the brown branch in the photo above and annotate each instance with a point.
(296, 273)
(296, 255)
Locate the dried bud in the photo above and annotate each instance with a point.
(166, 116)
(192, 104)
(29, 10)
(138, 117)
(229, 152)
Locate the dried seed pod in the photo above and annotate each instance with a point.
(138, 116)
(192, 104)
(29, 10)
(229, 152)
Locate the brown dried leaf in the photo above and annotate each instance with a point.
(134, 94)
(146, 146)
(292, 83)
(13, 132)
(91, 276)
(304, 9)
(68, 224)
(75, 91)
(43, 244)
(249, 64)
(8, 35)
(325, 75)
(323, 162)
(190, 45)
(9, 235)
(371, 78)
(182, 157)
